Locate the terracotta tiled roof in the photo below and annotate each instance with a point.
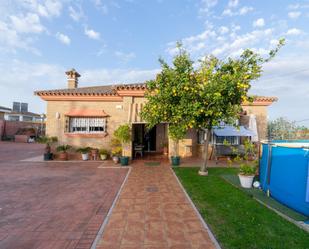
(111, 90)
(93, 90)
(265, 98)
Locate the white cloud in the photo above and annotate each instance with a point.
(17, 74)
(125, 57)
(20, 79)
(76, 13)
(10, 40)
(294, 31)
(100, 6)
(298, 6)
(223, 30)
(294, 14)
(228, 44)
(287, 81)
(63, 38)
(29, 23)
(92, 34)
(45, 8)
(117, 76)
(240, 12)
(244, 10)
(233, 3)
(259, 23)
(206, 6)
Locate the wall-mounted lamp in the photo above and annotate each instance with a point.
(57, 115)
(118, 106)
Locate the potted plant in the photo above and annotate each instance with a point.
(94, 153)
(48, 141)
(85, 152)
(175, 159)
(250, 150)
(62, 149)
(246, 175)
(116, 149)
(103, 154)
(176, 133)
(123, 134)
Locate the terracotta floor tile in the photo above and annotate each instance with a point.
(155, 237)
(112, 235)
(124, 246)
(134, 237)
(136, 215)
(135, 225)
(155, 225)
(156, 220)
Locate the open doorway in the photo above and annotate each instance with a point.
(148, 142)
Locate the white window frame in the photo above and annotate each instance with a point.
(233, 140)
(87, 125)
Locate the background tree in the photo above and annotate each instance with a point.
(282, 128)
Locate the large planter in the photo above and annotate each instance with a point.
(246, 181)
(103, 157)
(48, 156)
(124, 160)
(175, 160)
(85, 156)
(63, 156)
(115, 159)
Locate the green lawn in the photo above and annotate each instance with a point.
(237, 220)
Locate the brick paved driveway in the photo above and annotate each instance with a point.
(52, 205)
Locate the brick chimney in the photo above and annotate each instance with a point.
(73, 76)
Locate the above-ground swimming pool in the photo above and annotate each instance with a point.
(284, 172)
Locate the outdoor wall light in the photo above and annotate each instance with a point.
(57, 115)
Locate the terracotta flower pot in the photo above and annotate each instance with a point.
(94, 154)
(63, 156)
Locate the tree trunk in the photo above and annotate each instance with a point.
(203, 170)
(176, 143)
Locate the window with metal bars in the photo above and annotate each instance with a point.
(87, 125)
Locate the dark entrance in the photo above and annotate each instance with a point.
(144, 137)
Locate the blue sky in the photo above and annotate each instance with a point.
(110, 41)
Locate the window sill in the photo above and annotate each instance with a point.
(87, 135)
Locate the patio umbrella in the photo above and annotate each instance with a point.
(253, 128)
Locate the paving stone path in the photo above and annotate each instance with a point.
(153, 212)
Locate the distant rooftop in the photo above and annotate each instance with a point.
(5, 108)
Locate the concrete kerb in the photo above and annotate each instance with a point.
(106, 219)
(212, 237)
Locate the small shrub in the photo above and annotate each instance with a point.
(247, 169)
(83, 150)
(117, 151)
(104, 151)
(63, 148)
